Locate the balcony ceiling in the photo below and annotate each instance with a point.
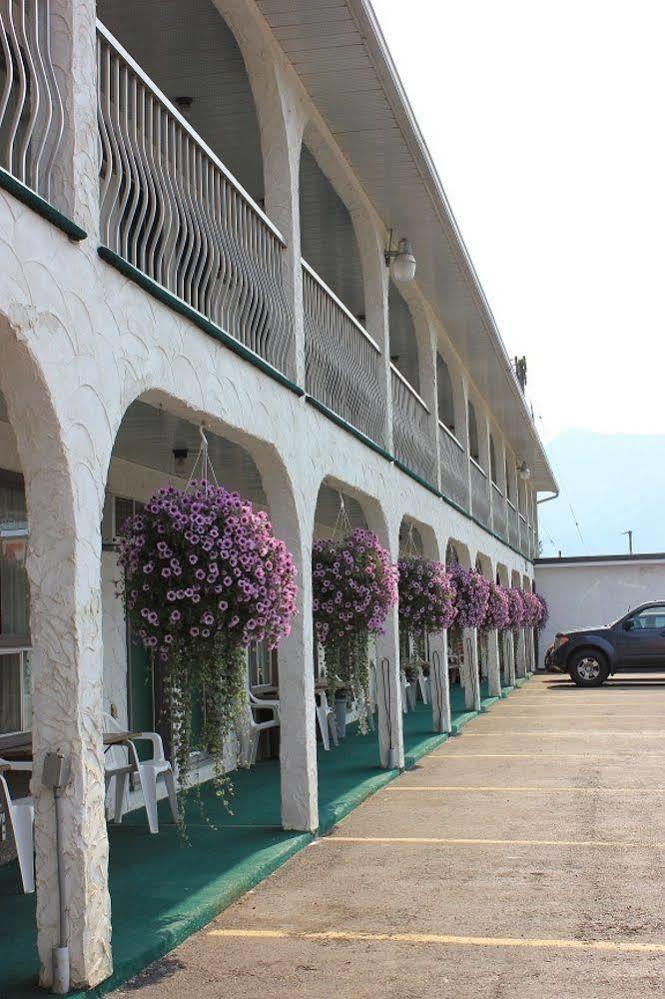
(337, 48)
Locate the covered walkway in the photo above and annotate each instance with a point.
(522, 858)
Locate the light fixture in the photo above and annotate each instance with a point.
(524, 471)
(180, 456)
(401, 261)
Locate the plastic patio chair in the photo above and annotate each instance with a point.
(423, 685)
(251, 730)
(325, 716)
(147, 771)
(20, 814)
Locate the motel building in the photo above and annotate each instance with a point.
(209, 214)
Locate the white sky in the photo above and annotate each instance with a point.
(545, 121)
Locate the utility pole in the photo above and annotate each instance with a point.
(630, 541)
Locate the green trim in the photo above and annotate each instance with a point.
(173, 302)
(345, 425)
(487, 703)
(42, 207)
(461, 720)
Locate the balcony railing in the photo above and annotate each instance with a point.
(498, 511)
(454, 479)
(169, 207)
(480, 497)
(342, 362)
(412, 442)
(513, 529)
(31, 115)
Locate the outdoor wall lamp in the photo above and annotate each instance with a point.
(401, 261)
(524, 471)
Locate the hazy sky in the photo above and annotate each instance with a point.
(545, 122)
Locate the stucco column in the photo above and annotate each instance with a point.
(292, 501)
(64, 471)
(389, 695)
(472, 678)
(439, 685)
(493, 667)
(298, 763)
(75, 174)
(518, 642)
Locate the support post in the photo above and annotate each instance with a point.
(440, 686)
(493, 667)
(389, 695)
(472, 676)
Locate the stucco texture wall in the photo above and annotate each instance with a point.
(582, 594)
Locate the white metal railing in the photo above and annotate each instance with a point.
(31, 115)
(412, 440)
(480, 497)
(513, 526)
(169, 206)
(454, 479)
(342, 362)
(498, 511)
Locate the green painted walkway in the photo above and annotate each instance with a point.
(163, 890)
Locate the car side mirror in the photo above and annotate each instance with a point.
(628, 625)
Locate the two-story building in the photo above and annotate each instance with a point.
(208, 217)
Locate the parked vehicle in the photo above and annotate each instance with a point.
(636, 640)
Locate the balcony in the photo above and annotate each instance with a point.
(480, 497)
(343, 367)
(412, 442)
(170, 208)
(498, 511)
(454, 481)
(513, 528)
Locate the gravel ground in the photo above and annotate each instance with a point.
(559, 893)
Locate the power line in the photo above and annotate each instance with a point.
(564, 492)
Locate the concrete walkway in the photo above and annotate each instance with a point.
(523, 859)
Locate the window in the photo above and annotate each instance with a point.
(494, 472)
(14, 606)
(474, 449)
(509, 485)
(651, 618)
(446, 402)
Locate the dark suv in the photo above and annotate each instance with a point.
(636, 640)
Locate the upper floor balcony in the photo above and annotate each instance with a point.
(182, 198)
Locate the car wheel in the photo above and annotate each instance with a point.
(588, 668)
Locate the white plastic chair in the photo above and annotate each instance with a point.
(20, 814)
(251, 730)
(408, 693)
(325, 716)
(147, 770)
(424, 686)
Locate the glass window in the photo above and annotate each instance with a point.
(494, 472)
(10, 693)
(445, 394)
(14, 603)
(474, 449)
(650, 618)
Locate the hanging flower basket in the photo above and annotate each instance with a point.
(426, 604)
(544, 611)
(497, 615)
(516, 608)
(204, 577)
(354, 586)
(471, 596)
(532, 610)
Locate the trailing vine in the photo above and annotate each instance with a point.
(204, 577)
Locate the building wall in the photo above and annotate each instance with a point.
(592, 593)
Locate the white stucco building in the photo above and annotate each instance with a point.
(196, 201)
